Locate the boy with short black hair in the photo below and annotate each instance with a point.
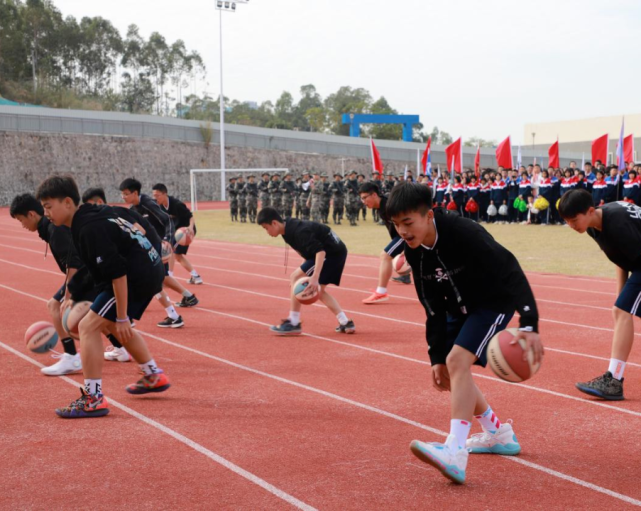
(616, 228)
(128, 272)
(370, 195)
(181, 217)
(325, 255)
(30, 213)
(145, 206)
(469, 286)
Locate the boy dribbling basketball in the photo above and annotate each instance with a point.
(325, 255)
(465, 308)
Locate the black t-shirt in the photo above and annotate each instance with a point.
(178, 212)
(620, 234)
(308, 238)
(157, 216)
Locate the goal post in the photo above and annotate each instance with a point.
(223, 180)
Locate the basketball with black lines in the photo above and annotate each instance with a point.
(507, 360)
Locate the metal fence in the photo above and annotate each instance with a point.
(81, 122)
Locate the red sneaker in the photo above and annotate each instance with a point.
(376, 298)
(157, 382)
(86, 406)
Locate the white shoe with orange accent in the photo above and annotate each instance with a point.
(376, 298)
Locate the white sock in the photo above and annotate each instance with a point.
(294, 318)
(171, 312)
(194, 273)
(459, 431)
(342, 318)
(187, 294)
(170, 273)
(381, 290)
(93, 387)
(150, 367)
(488, 420)
(616, 368)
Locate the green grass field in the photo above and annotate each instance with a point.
(548, 249)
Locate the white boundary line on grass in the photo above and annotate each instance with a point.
(184, 440)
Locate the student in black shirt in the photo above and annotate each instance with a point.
(370, 195)
(29, 212)
(469, 286)
(130, 191)
(181, 217)
(127, 271)
(324, 254)
(616, 228)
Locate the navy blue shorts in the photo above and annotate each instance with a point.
(395, 247)
(332, 269)
(105, 306)
(475, 330)
(630, 296)
(60, 294)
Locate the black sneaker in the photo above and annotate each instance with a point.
(192, 301)
(171, 323)
(403, 279)
(286, 328)
(606, 387)
(348, 328)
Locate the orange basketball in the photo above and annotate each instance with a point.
(506, 360)
(301, 293)
(400, 265)
(72, 316)
(41, 337)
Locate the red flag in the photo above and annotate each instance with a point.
(453, 152)
(553, 153)
(477, 161)
(628, 149)
(504, 154)
(426, 155)
(600, 149)
(377, 163)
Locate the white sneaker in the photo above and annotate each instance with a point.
(66, 365)
(114, 354)
(503, 441)
(452, 464)
(195, 279)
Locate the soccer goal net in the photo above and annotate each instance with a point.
(209, 185)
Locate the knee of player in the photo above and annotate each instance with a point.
(53, 306)
(90, 324)
(620, 314)
(457, 362)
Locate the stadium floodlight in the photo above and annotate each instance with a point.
(193, 185)
(224, 6)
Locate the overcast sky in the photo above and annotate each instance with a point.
(471, 67)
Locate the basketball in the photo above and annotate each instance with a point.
(41, 337)
(183, 238)
(300, 289)
(72, 316)
(400, 265)
(506, 360)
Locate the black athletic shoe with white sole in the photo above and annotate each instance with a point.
(171, 323)
(347, 328)
(192, 301)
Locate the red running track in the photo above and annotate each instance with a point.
(323, 421)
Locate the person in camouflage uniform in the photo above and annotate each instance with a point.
(232, 194)
(388, 184)
(275, 194)
(316, 199)
(306, 190)
(327, 198)
(288, 189)
(252, 198)
(337, 189)
(242, 198)
(263, 191)
(297, 205)
(353, 201)
(361, 207)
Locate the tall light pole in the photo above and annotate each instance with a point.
(227, 6)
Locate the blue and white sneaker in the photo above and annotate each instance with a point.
(503, 441)
(451, 463)
(286, 328)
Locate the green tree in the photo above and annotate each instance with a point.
(476, 141)
(345, 101)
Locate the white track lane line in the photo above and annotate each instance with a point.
(186, 441)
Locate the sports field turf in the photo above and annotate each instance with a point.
(547, 249)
